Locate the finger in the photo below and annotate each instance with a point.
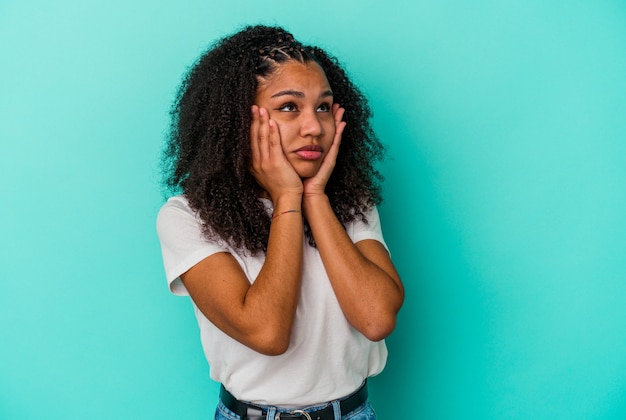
(331, 157)
(339, 131)
(338, 113)
(274, 136)
(329, 161)
(254, 133)
(275, 142)
(340, 125)
(263, 133)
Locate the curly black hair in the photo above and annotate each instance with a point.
(207, 155)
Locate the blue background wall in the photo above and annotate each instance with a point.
(505, 202)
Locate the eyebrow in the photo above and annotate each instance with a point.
(298, 94)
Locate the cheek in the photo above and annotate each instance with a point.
(329, 130)
(286, 131)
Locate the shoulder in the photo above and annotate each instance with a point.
(366, 226)
(175, 204)
(175, 214)
(367, 219)
(183, 240)
(178, 225)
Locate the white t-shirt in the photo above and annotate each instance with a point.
(327, 358)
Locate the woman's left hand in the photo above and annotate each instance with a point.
(316, 184)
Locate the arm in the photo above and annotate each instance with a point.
(363, 277)
(259, 315)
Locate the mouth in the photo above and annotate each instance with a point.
(310, 152)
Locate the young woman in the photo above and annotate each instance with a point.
(275, 233)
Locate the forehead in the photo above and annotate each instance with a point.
(305, 77)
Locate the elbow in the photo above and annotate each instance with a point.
(271, 343)
(379, 329)
(379, 324)
(272, 349)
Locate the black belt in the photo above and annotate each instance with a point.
(254, 412)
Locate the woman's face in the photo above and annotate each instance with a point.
(298, 97)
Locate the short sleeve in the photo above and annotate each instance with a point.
(361, 230)
(182, 243)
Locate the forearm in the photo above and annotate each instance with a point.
(258, 314)
(272, 298)
(367, 286)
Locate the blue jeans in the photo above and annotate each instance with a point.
(364, 412)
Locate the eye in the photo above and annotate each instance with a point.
(325, 107)
(288, 107)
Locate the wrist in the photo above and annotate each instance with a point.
(287, 202)
(312, 201)
(278, 214)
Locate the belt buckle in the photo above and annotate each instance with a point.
(299, 412)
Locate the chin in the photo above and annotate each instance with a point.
(307, 172)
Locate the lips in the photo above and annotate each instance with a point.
(310, 152)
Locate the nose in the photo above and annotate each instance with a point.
(311, 124)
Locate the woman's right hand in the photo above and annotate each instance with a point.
(270, 166)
